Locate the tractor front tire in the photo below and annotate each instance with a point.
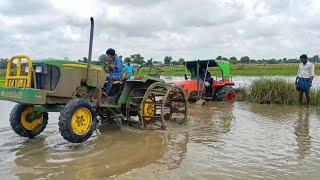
(26, 128)
(77, 121)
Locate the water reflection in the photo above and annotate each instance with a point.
(176, 149)
(111, 153)
(302, 133)
(33, 158)
(209, 122)
(273, 111)
(216, 112)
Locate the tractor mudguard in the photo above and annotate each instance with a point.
(23, 95)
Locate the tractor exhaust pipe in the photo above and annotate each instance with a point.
(90, 48)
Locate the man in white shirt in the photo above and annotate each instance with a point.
(304, 78)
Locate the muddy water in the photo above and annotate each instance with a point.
(221, 140)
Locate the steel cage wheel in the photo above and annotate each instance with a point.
(155, 93)
(176, 102)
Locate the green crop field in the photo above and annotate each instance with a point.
(246, 70)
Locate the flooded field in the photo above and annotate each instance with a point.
(224, 141)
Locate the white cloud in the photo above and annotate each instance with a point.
(189, 29)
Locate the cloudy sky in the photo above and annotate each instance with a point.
(178, 28)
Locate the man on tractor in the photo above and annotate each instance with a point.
(129, 69)
(115, 65)
(205, 76)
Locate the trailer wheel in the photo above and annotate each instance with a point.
(26, 122)
(77, 121)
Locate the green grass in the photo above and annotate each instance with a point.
(275, 91)
(265, 70)
(246, 70)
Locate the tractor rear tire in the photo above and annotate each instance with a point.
(226, 93)
(77, 121)
(21, 126)
(231, 94)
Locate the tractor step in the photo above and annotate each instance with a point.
(158, 92)
(152, 116)
(137, 97)
(134, 104)
(207, 98)
(134, 109)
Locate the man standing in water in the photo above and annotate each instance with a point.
(304, 78)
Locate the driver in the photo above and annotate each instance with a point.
(115, 67)
(205, 76)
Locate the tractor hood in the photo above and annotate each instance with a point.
(63, 63)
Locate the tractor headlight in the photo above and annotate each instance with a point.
(38, 69)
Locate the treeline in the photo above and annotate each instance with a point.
(168, 60)
(248, 60)
(138, 59)
(3, 63)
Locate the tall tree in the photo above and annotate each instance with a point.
(222, 58)
(150, 61)
(167, 60)
(174, 63)
(245, 59)
(103, 58)
(137, 58)
(85, 59)
(3, 63)
(284, 60)
(233, 60)
(181, 60)
(315, 58)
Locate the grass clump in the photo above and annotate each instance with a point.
(275, 91)
(315, 98)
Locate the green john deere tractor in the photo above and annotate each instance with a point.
(74, 90)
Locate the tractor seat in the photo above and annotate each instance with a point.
(123, 78)
(116, 82)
